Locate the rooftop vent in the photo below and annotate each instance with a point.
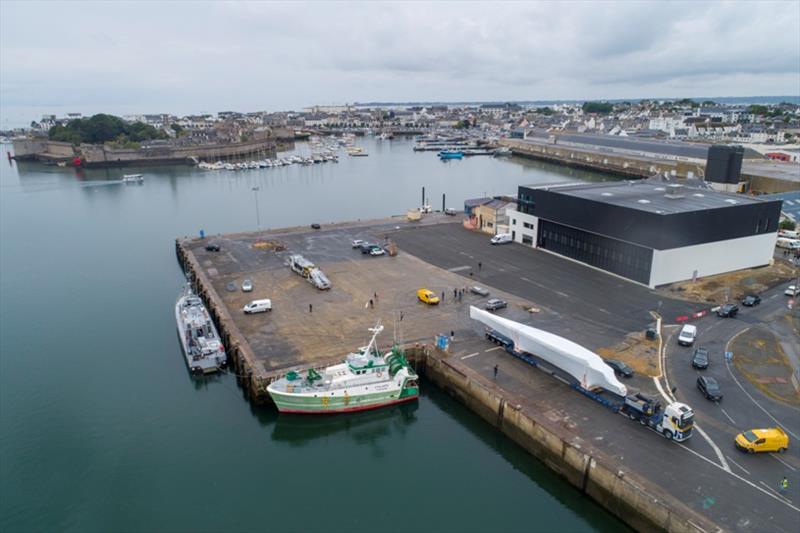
(606, 194)
(674, 191)
(643, 201)
(732, 201)
(661, 189)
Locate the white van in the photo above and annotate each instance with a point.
(501, 238)
(258, 306)
(788, 234)
(687, 335)
(791, 244)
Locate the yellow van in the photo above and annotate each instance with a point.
(763, 440)
(428, 297)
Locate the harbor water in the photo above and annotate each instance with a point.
(103, 429)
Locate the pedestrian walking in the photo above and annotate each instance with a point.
(455, 293)
(480, 265)
(784, 485)
(460, 295)
(401, 316)
(376, 296)
(310, 308)
(495, 371)
(452, 335)
(371, 304)
(442, 296)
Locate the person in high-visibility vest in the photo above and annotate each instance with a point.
(784, 485)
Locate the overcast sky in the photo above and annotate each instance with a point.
(183, 57)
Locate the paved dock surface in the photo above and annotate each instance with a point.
(588, 306)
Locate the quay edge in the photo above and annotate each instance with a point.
(633, 499)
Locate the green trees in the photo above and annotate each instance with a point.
(103, 128)
(597, 107)
(786, 224)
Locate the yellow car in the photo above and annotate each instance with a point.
(763, 440)
(428, 297)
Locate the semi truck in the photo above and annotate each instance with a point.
(674, 422)
(309, 271)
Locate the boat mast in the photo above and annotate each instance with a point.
(375, 331)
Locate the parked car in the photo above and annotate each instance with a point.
(728, 310)
(230, 286)
(502, 238)
(751, 300)
(258, 306)
(494, 304)
(428, 297)
(792, 290)
(710, 388)
(212, 247)
(247, 285)
(376, 250)
(450, 211)
(358, 242)
(315, 226)
(366, 247)
(687, 335)
(700, 358)
(479, 290)
(620, 368)
(763, 440)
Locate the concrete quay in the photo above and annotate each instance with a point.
(762, 177)
(647, 481)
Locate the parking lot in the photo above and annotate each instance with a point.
(596, 310)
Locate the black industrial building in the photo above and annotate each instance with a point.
(651, 232)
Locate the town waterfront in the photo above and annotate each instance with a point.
(102, 428)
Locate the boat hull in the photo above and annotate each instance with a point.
(303, 404)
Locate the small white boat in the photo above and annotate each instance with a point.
(132, 178)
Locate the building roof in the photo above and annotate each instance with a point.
(791, 203)
(474, 202)
(658, 197)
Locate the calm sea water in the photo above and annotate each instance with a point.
(102, 429)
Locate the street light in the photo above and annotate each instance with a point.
(258, 216)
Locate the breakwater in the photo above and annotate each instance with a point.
(103, 155)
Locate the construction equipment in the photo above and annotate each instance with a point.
(309, 271)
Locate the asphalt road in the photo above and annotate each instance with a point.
(743, 406)
(598, 309)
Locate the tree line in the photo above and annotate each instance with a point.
(102, 128)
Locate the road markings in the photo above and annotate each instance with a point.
(670, 398)
(784, 463)
(459, 269)
(728, 366)
(778, 494)
(737, 464)
(470, 355)
(493, 349)
(724, 412)
(774, 496)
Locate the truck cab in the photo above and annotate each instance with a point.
(675, 422)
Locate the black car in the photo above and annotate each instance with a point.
(710, 388)
(700, 358)
(366, 247)
(620, 368)
(211, 247)
(315, 226)
(493, 304)
(751, 300)
(728, 310)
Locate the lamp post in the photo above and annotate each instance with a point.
(258, 216)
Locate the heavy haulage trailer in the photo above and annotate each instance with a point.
(585, 372)
(309, 271)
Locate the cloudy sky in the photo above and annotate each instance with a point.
(184, 57)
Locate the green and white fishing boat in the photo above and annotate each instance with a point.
(367, 379)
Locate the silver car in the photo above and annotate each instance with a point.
(247, 285)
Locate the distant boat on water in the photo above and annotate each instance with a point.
(450, 154)
(132, 178)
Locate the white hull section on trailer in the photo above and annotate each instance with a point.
(584, 365)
